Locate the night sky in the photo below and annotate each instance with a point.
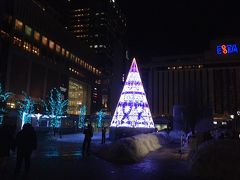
(171, 27)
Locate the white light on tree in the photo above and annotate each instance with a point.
(132, 109)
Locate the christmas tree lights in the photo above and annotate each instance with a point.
(4, 96)
(57, 107)
(82, 114)
(132, 110)
(100, 116)
(26, 109)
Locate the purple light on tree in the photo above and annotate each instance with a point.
(132, 109)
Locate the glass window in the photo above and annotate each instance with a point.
(18, 25)
(67, 54)
(58, 48)
(27, 46)
(51, 44)
(63, 51)
(36, 35)
(44, 40)
(17, 41)
(35, 50)
(28, 30)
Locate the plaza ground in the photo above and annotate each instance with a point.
(61, 159)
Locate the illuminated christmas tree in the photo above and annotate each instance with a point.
(132, 109)
(4, 96)
(100, 116)
(57, 107)
(26, 108)
(82, 115)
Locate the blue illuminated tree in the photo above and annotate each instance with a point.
(57, 107)
(4, 96)
(100, 116)
(26, 108)
(82, 114)
(132, 110)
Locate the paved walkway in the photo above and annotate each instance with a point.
(61, 159)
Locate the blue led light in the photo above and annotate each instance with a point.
(225, 49)
(82, 114)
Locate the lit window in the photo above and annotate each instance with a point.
(35, 50)
(17, 41)
(67, 54)
(27, 46)
(51, 44)
(81, 62)
(44, 40)
(58, 48)
(18, 25)
(28, 30)
(63, 51)
(36, 35)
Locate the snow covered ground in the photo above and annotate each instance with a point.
(130, 149)
(78, 138)
(216, 159)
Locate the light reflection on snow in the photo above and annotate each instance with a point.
(63, 154)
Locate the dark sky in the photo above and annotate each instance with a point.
(170, 27)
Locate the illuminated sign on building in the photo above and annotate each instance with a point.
(225, 49)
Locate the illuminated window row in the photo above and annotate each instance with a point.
(4, 34)
(80, 15)
(80, 31)
(79, 10)
(26, 46)
(185, 67)
(50, 44)
(76, 72)
(81, 36)
(97, 46)
(102, 13)
(17, 41)
(81, 25)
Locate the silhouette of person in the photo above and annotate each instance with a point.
(88, 131)
(6, 144)
(103, 135)
(26, 142)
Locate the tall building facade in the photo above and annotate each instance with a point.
(37, 54)
(208, 81)
(102, 26)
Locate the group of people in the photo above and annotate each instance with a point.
(23, 143)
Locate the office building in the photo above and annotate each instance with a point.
(37, 54)
(208, 81)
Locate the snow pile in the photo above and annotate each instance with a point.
(130, 149)
(216, 160)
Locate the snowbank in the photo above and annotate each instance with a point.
(216, 160)
(130, 149)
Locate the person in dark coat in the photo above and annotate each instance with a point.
(103, 135)
(6, 144)
(26, 142)
(88, 131)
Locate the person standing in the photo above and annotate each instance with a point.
(103, 135)
(88, 131)
(26, 142)
(6, 144)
